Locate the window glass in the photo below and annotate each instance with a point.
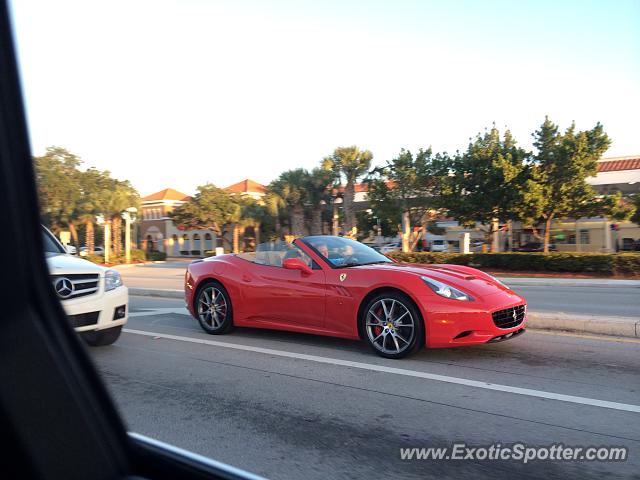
(51, 245)
(344, 252)
(274, 253)
(584, 237)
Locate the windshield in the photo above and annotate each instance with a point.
(51, 245)
(344, 252)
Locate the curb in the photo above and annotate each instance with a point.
(614, 326)
(592, 324)
(157, 292)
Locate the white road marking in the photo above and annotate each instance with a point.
(400, 371)
(159, 311)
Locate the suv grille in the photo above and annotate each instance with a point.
(83, 319)
(75, 285)
(509, 317)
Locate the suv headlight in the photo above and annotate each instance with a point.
(112, 280)
(446, 291)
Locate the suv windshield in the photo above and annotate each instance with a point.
(51, 245)
(344, 252)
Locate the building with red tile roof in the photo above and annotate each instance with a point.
(617, 174)
(247, 187)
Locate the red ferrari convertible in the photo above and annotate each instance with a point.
(335, 286)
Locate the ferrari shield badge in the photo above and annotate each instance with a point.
(343, 276)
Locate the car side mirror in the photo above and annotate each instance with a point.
(296, 264)
(70, 249)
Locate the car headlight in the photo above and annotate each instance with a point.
(446, 291)
(112, 279)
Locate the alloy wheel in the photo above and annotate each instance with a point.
(390, 326)
(212, 308)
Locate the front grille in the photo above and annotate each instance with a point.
(509, 317)
(83, 319)
(75, 285)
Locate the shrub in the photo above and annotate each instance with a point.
(195, 252)
(602, 263)
(154, 256)
(627, 263)
(138, 255)
(94, 258)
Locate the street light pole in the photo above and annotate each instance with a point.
(107, 240)
(107, 236)
(127, 232)
(127, 239)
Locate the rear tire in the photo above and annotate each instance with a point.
(213, 309)
(101, 338)
(392, 325)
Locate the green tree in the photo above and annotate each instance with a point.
(407, 188)
(318, 187)
(561, 165)
(119, 196)
(95, 187)
(210, 208)
(250, 214)
(369, 222)
(58, 188)
(350, 163)
(275, 207)
(486, 183)
(635, 218)
(290, 190)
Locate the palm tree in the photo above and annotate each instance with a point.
(351, 163)
(96, 187)
(275, 205)
(290, 188)
(252, 215)
(121, 196)
(319, 183)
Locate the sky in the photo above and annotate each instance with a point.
(182, 93)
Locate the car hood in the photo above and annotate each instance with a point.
(61, 264)
(472, 280)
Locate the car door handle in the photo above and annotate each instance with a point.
(246, 278)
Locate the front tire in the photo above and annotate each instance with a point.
(213, 309)
(101, 338)
(392, 325)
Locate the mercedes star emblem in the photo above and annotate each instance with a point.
(64, 287)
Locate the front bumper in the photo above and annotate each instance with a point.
(454, 323)
(97, 312)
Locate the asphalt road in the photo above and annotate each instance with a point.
(318, 408)
(622, 301)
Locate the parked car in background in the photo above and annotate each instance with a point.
(93, 297)
(534, 247)
(439, 246)
(96, 251)
(476, 246)
(630, 245)
(391, 247)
